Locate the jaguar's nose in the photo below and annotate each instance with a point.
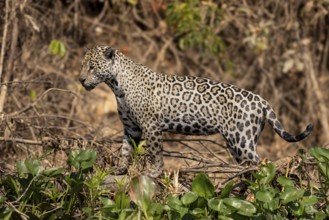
(82, 80)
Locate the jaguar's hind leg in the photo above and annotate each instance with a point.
(243, 149)
(243, 155)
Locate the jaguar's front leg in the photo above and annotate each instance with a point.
(127, 149)
(155, 152)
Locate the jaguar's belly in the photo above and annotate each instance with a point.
(197, 126)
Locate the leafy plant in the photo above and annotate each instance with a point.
(37, 192)
(195, 22)
(142, 190)
(322, 157)
(94, 189)
(57, 48)
(202, 202)
(285, 202)
(138, 151)
(82, 160)
(33, 94)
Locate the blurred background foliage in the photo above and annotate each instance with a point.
(194, 23)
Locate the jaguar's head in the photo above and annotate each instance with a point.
(97, 66)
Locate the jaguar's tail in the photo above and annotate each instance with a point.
(278, 128)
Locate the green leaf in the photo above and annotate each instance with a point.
(291, 195)
(6, 214)
(62, 49)
(296, 208)
(242, 212)
(87, 210)
(227, 189)
(240, 205)
(284, 181)
(272, 205)
(197, 212)
(31, 166)
(155, 209)
(71, 159)
(320, 153)
(322, 156)
(82, 159)
(324, 169)
(21, 168)
(223, 217)
(216, 204)
(33, 95)
(2, 199)
(267, 172)
(142, 190)
(203, 186)
(174, 201)
(140, 148)
(107, 202)
(53, 172)
(13, 184)
(189, 198)
(309, 201)
(123, 215)
(310, 210)
(320, 216)
(201, 202)
(122, 201)
(86, 158)
(264, 195)
(175, 204)
(219, 206)
(251, 183)
(57, 47)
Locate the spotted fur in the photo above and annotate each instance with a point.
(150, 103)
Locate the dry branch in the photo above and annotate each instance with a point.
(19, 140)
(4, 38)
(12, 55)
(319, 97)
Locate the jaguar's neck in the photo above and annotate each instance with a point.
(129, 74)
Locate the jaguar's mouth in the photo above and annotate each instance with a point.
(88, 87)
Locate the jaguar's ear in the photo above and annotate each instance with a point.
(109, 53)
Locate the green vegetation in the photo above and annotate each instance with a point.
(138, 152)
(195, 25)
(57, 48)
(38, 193)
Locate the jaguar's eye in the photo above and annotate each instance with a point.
(91, 65)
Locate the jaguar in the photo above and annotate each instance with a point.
(150, 103)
